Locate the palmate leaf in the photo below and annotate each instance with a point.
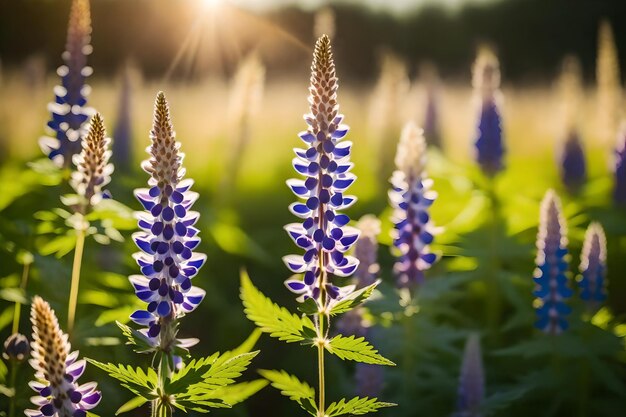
(135, 380)
(237, 393)
(354, 299)
(192, 373)
(356, 406)
(356, 349)
(271, 318)
(224, 371)
(292, 387)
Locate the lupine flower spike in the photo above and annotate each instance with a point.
(123, 134)
(551, 288)
(57, 370)
(572, 164)
(593, 267)
(608, 82)
(69, 111)
(411, 198)
(167, 239)
(489, 143)
(325, 164)
(619, 188)
(93, 170)
(471, 392)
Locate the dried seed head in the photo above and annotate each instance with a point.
(93, 170)
(323, 89)
(166, 160)
(411, 153)
(50, 345)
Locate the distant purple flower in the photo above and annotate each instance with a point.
(369, 379)
(69, 111)
(366, 251)
(572, 163)
(57, 370)
(325, 164)
(16, 348)
(489, 143)
(411, 198)
(593, 266)
(551, 288)
(471, 392)
(167, 239)
(619, 190)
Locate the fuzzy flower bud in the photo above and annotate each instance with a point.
(69, 111)
(489, 143)
(93, 170)
(16, 348)
(572, 163)
(593, 266)
(167, 238)
(551, 287)
(471, 392)
(410, 198)
(325, 164)
(57, 370)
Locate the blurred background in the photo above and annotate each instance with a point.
(236, 75)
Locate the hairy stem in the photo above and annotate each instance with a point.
(18, 306)
(78, 258)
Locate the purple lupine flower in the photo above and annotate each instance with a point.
(572, 165)
(551, 287)
(325, 164)
(471, 391)
(619, 190)
(93, 170)
(16, 348)
(410, 198)
(69, 111)
(489, 143)
(57, 370)
(167, 239)
(593, 266)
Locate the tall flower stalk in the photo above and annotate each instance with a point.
(168, 263)
(411, 198)
(619, 168)
(93, 172)
(608, 78)
(551, 282)
(489, 143)
(325, 238)
(69, 110)
(471, 391)
(592, 282)
(57, 369)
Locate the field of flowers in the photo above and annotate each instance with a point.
(184, 247)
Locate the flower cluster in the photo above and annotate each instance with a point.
(167, 239)
(16, 348)
(93, 170)
(57, 370)
(471, 391)
(593, 266)
(323, 234)
(489, 143)
(572, 163)
(411, 197)
(69, 111)
(619, 190)
(550, 276)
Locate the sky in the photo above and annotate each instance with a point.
(393, 6)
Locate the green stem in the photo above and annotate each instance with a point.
(78, 258)
(18, 306)
(494, 302)
(320, 362)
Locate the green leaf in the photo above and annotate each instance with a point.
(192, 373)
(6, 391)
(131, 405)
(247, 344)
(292, 387)
(60, 245)
(309, 306)
(225, 369)
(354, 299)
(356, 406)
(135, 380)
(270, 317)
(356, 349)
(13, 295)
(237, 393)
(136, 338)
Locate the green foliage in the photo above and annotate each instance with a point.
(140, 343)
(292, 387)
(356, 349)
(271, 318)
(355, 406)
(353, 300)
(135, 380)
